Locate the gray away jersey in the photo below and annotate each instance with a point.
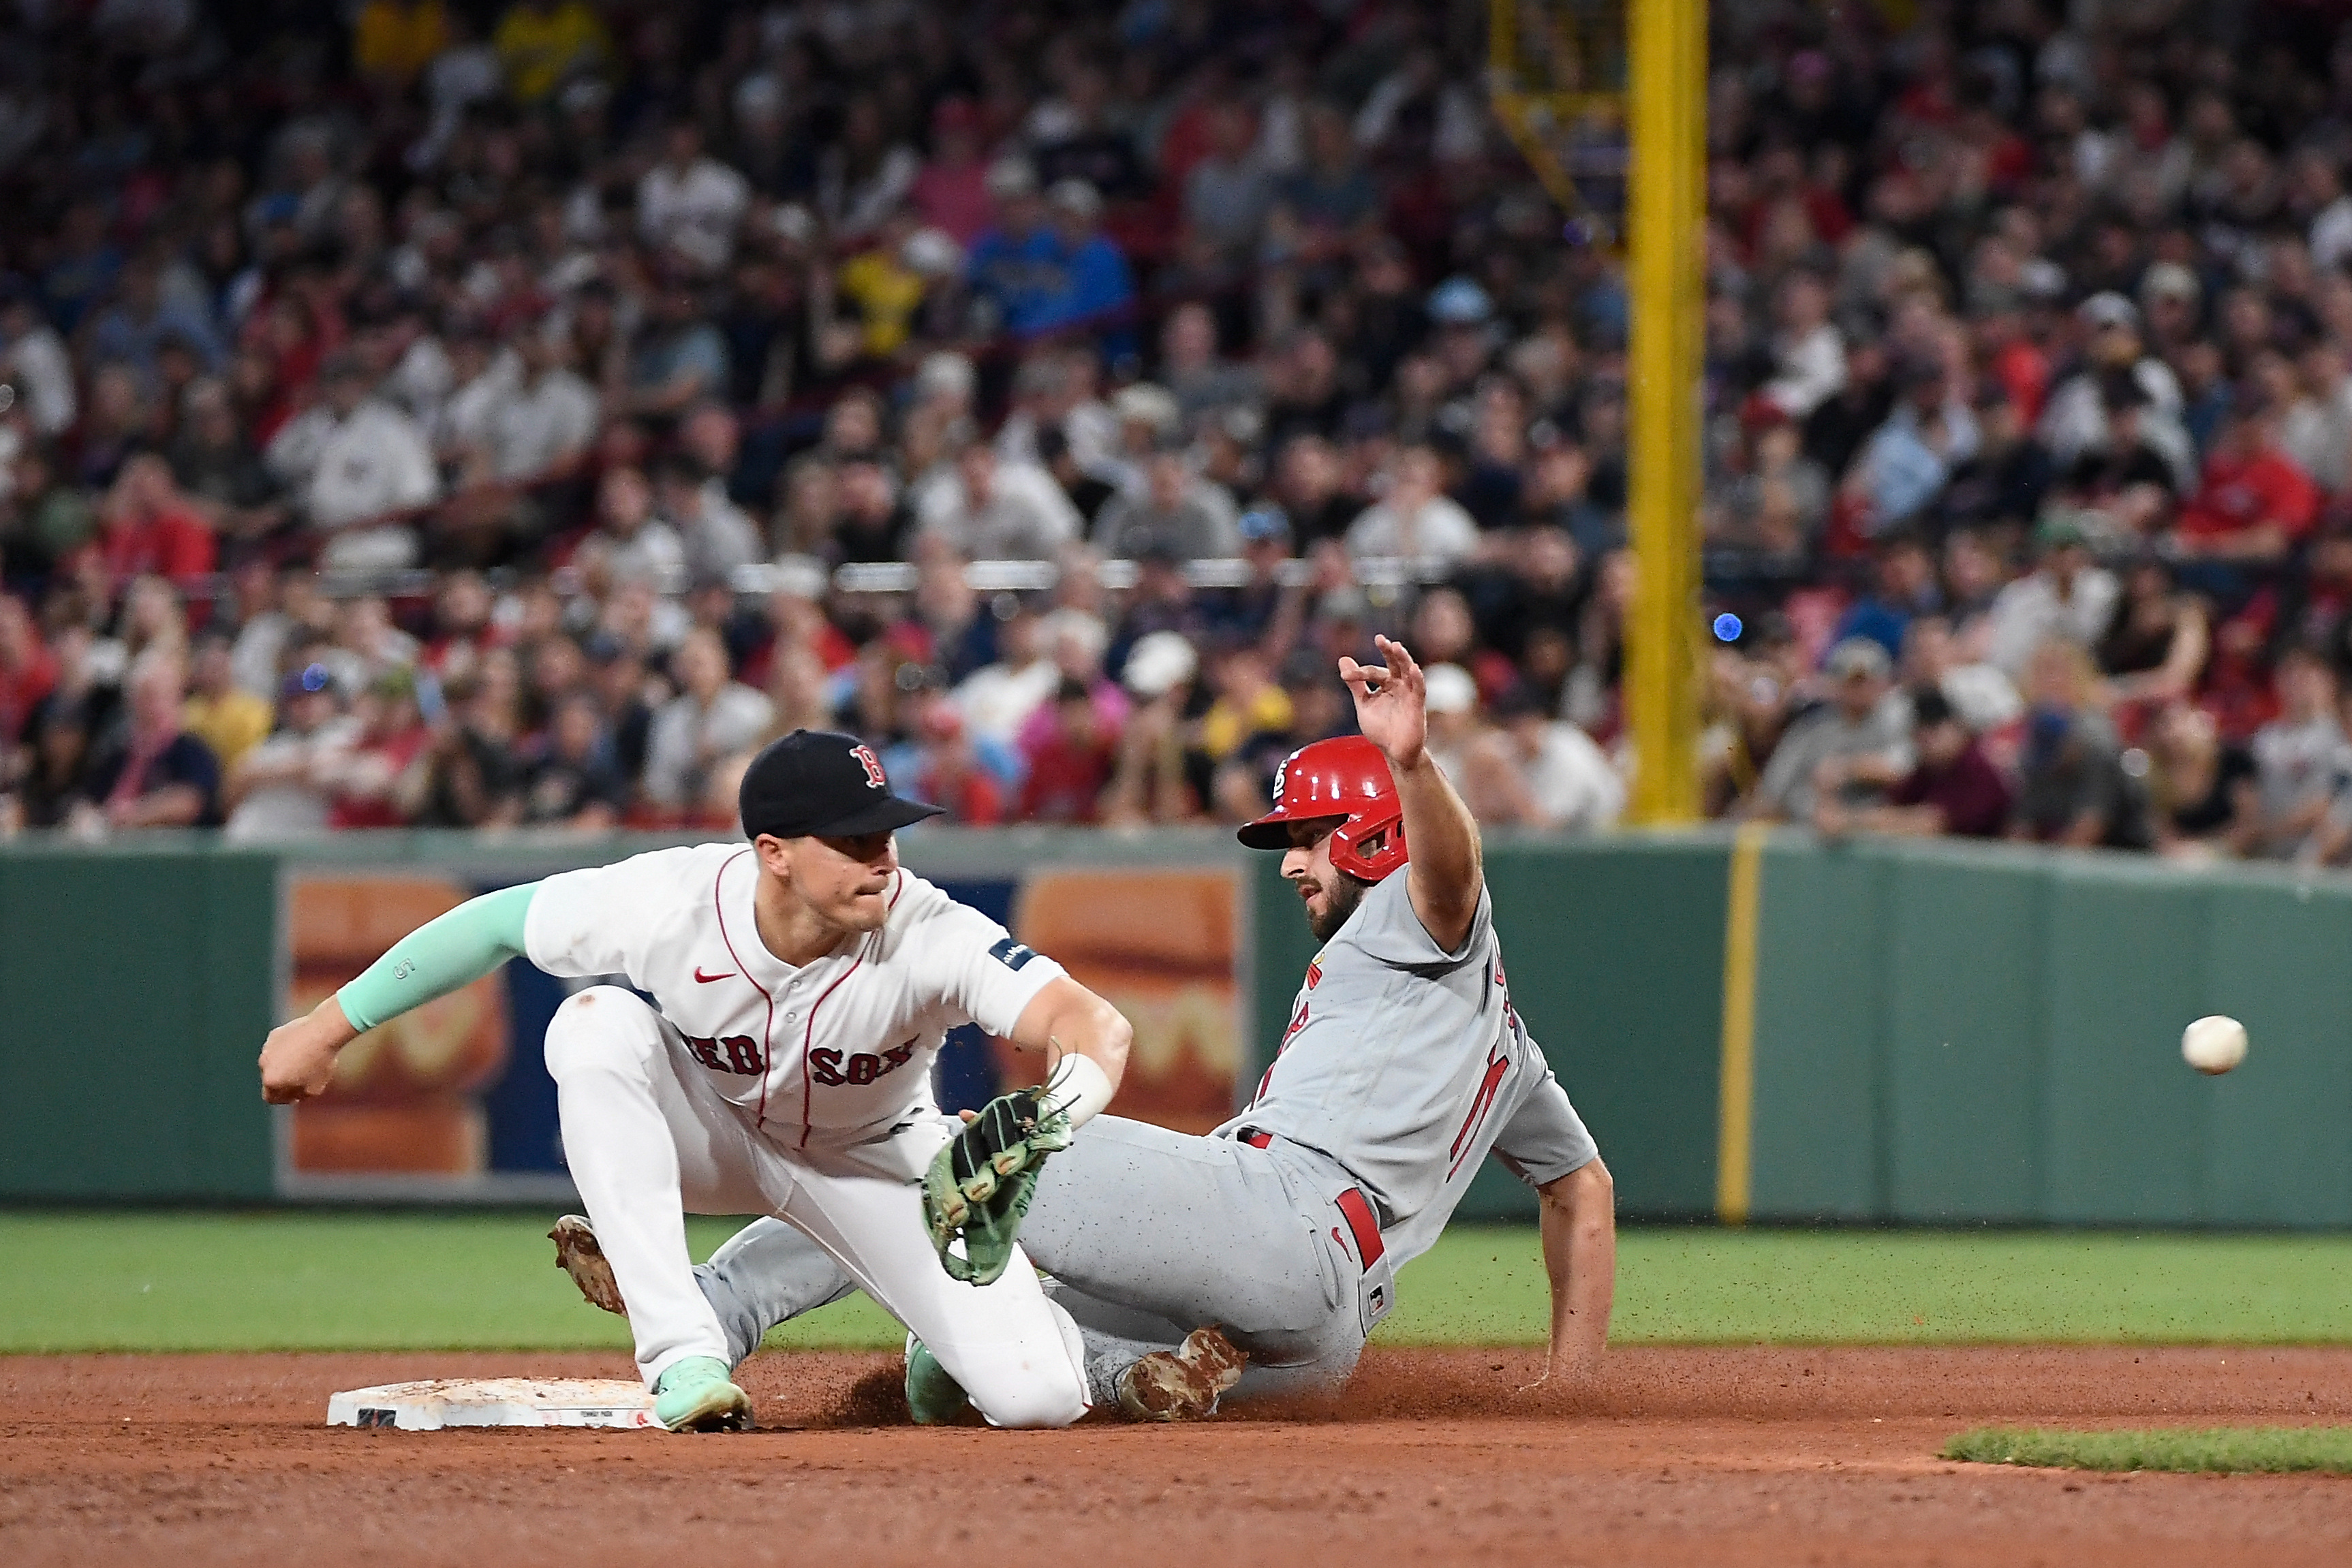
(1407, 1063)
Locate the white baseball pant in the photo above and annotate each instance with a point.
(649, 1139)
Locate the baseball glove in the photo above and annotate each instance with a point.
(979, 1186)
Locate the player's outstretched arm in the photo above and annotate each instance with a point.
(437, 957)
(1444, 875)
(1580, 1252)
(1084, 1039)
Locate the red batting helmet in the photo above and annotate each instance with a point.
(1344, 779)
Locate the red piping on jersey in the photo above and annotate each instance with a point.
(768, 1037)
(808, 1037)
(1478, 1109)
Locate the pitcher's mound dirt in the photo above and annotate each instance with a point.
(1685, 1457)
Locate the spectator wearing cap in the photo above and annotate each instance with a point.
(2124, 489)
(2066, 596)
(358, 464)
(148, 770)
(1453, 721)
(2170, 298)
(946, 767)
(2072, 785)
(1415, 519)
(1252, 609)
(2075, 420)
(1905, 464)
(285, 785)
(2252, 505)
(988, 508)
(1953, 792)
(1088, 284)
(1177, 513)
(1150, 782)
(1852, 746)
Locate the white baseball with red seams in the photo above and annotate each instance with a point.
(804, 1092)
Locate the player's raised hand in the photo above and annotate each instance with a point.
(299, 1058)
(1391, 702)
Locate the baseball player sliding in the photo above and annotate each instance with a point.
(799, 986)
(1261, 1255)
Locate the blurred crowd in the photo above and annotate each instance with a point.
(515, 415)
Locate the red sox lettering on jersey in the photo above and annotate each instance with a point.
(830, 1054)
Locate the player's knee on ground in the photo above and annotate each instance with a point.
(602, 1030)
(1031, 1396)
(1019, 1385)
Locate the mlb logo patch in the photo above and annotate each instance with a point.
(1011, 954)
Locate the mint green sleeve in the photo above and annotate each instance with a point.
(439, 957)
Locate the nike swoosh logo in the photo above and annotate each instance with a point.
(706, 980)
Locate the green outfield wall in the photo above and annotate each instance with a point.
(1932, 1033)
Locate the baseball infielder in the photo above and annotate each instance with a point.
(1405, 1064)
(799, 988)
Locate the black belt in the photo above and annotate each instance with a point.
(1354, 1208)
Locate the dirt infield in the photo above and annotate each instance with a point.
(1690, 1456)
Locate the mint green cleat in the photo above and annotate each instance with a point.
(933, 1397)
(695, 1395)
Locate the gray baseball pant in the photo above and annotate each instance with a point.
(1148, 1234)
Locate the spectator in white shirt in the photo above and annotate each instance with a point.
(992, 509)
(691, 204)
(357, 462)
(713, 718)
(1536, 771)
(632, 544)
(1416, 520)
(1808, 355)
(2064, 597)
(715, 533)
(997, 699)
(286, 784)
(550, 419)
(34, 358)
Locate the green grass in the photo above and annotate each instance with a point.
(306, 1281)
(2218, 1449)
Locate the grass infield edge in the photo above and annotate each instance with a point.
(2212, 1451)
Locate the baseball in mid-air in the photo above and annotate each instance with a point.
(2214, 1044)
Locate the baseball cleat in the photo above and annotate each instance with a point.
(694, 1396)
(933, 1398)
(1184, 1384)
(577, 1254)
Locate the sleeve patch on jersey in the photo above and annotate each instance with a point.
(1011, 954)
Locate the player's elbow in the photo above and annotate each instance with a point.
(1112, 1036)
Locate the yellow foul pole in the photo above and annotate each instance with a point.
(1667, 203)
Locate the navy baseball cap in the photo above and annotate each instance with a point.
(814, 783)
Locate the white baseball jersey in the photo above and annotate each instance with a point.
(830, 1055)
